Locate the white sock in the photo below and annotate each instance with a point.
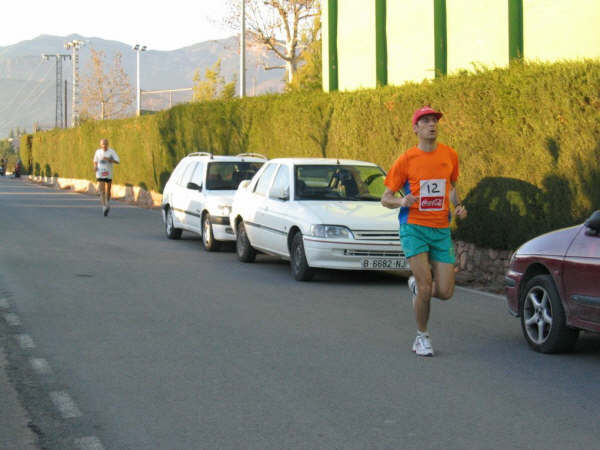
(423, 333)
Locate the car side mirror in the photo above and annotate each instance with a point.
(244, 184)
(593, 223)
(194, 186)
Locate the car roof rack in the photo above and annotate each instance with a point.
(201, 154)
(252, 155)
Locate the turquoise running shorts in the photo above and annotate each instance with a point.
(435, 241)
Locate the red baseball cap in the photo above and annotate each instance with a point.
(425, 111)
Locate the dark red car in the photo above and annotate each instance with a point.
(553, 285)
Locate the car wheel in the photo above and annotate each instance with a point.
(170, 230)
(543, 318)
(208, 239)
(301, 271)
(243, 248)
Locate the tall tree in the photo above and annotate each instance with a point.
(213, 85)
(309, 76)
(106, 94)
(277, 24)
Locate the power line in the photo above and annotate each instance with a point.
(39, 85)
(9, 104)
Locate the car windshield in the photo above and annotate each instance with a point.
(338, 182)
(227, 175)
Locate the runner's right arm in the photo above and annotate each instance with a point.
(389, 200)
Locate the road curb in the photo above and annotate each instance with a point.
(130, 194)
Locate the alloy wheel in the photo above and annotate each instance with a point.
(537, 314)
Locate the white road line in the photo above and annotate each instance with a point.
(12, 319)
(40, 366)
(478, 292)
(89, 443)
(65, 404)
(25, 341)
(3, 303)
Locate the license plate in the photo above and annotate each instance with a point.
(384, 263)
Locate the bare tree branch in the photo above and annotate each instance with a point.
(278, 24)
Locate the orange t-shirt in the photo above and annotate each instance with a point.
(429, 177)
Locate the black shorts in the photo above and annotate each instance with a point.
(106, 180)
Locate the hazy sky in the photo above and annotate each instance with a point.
(159, 25)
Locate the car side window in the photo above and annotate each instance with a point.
(179, 169)
(185, 178)
(262, 184)
(281, 184)
(198, 174)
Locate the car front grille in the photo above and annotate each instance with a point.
(376, 235)
(373, 253)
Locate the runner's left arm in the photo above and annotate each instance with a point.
(460, 209)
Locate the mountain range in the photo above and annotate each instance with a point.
(28, 82)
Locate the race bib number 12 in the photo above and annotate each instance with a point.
(432, 195)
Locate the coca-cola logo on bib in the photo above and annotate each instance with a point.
(432, 202)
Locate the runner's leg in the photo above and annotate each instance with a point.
(421, 269)
(443, 280)
(101, 188)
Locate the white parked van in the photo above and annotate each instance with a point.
(198, 195)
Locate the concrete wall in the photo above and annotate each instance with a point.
(356, 57)
(130, 194)
(561, 29)
(410, 41)
(477, 35)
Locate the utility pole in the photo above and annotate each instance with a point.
(75, 45)
(139, 48)
(66, 123)
(243, 52)
(58, 113)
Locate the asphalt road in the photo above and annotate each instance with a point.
(160, 345)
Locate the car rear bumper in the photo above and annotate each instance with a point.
(325, 254)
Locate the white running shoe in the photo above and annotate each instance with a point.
(422, 345)
(412, 287)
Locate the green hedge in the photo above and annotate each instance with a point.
(528, 140)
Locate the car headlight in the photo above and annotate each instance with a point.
(331, 232)
(224, 210)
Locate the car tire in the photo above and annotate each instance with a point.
(543, 318)
(243, 248)
(170, 230)
(208, 238)
(299, 267)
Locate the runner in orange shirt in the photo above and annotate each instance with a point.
(427, 174)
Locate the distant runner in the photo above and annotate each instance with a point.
(104, 158)
(428, 175)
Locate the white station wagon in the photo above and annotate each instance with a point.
(317, 213)
(199, 192)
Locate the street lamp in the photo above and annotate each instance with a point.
(243, 50)
(139, 48)
(74, 45)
